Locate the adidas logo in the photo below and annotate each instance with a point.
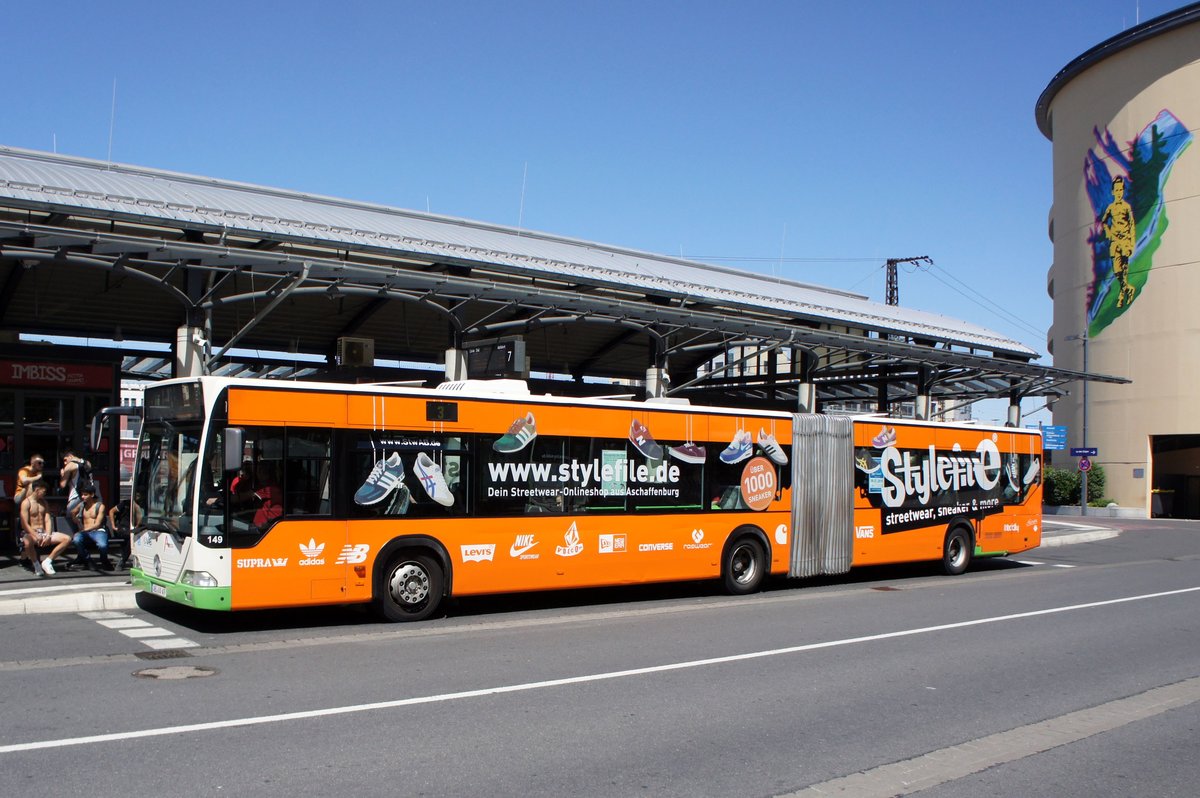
(312, 553)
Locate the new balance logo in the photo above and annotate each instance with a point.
(352, 554)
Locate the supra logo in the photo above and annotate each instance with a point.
(262, 562)
(866, 531)
(656, 547)
(352, 553)
(573, 546)
(697, 541)
(521, 546)
(478, 552)
(312, 553)
(612, 544)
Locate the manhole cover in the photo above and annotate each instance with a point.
(175, 672)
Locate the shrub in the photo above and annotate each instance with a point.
(1064, 486)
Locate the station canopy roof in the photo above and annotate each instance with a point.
(101, 250)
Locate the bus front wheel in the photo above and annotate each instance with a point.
(411, 589)
(745, 566)
(956, 551)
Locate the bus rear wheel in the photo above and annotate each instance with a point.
(411, 588)
(956, 551)
(745, 566)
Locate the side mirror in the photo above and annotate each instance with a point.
(97, 436)
(235, 441)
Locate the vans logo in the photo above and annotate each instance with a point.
(866, 531)
(262, 562)
(521, 545)
(312, 553)
(478, 552)
(352, 554)
(571, 539)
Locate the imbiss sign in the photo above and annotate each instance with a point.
(31, 374)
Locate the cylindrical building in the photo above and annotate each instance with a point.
(1125, 280)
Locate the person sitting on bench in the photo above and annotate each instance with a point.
(37, 527)
(90, 521)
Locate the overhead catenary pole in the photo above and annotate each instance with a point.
(892, 296)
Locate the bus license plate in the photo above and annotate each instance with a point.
(158, 590)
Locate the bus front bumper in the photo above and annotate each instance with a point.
(203, 598)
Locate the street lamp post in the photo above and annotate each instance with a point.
(1083, 479)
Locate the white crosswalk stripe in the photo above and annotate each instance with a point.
(143, 631)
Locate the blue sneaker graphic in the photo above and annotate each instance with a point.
(382, 480)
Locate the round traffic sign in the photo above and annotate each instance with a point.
(1085, 464)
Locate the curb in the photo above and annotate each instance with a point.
(1078, 537)
(67, 598)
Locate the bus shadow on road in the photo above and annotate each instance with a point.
(882, 577)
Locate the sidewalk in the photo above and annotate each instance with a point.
(25, 593)
(1056, 532)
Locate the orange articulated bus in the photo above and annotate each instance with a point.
(253, 494)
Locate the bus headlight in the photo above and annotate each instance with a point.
(198, 579)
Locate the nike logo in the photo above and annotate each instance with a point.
(522, 544)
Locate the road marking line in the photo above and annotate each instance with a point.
(141, 630)
(973, 756)
(124, 623)
(171, 642)
(152, 631)
(258, 720)
(1031, 562)
(1061, 565)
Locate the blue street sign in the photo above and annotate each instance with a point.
(1087, 451)
(1054, 437)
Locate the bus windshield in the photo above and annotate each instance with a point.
(172, 452)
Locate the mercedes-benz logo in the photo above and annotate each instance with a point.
(157, 566)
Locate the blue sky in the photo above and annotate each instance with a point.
(810, 140)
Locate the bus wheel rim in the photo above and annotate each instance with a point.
(958, 550)
(743, 565)
(410, 584)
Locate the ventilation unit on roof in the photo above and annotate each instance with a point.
(355, 352)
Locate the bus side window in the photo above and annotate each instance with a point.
(306, 478)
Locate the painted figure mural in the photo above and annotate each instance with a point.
(1125, 190)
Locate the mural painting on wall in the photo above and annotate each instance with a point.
(1125, 190)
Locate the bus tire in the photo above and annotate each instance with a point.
(410, 588)
(744, 566)
(956, 550)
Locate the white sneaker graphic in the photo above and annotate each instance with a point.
(430, 474)
(768, 444)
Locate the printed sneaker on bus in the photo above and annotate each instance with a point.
(643, 441)
(688, 453)
(885, 438)
(430, 474)
(522, 431)
(771, 447)
(382, 480)
(1012, 471)
(1031, 473)
(400, 502)
(738, 449)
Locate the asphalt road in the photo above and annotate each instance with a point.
(1071, 670)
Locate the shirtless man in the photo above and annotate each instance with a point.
(91, 518)
(37, 527)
